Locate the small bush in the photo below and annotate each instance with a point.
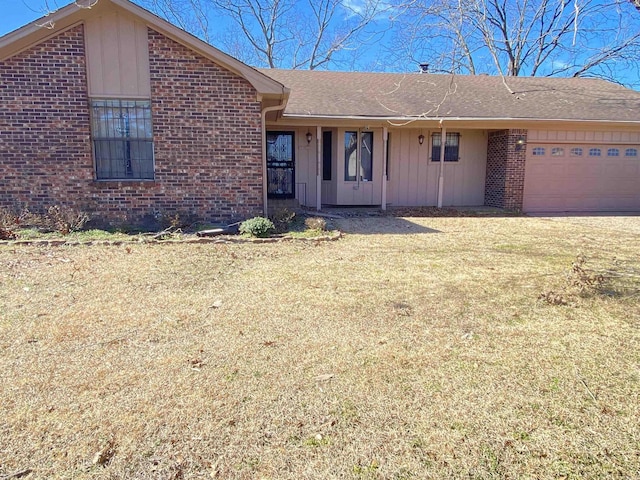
(65, 220)
(282, 219)
(8, 221)
(175, 220)
(257, 227)
(316, 223)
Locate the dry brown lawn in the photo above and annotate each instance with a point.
(411, 348)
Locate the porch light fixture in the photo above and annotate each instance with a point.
(520, 143)
(421, 139)
(309, 137)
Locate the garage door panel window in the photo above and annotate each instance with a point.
(631, 152)
(538, 152)
(595, 152)
(557, 152)
(576, 152)
(613, 152)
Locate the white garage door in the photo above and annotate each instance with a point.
(582, 178)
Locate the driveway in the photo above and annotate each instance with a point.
(615, 222)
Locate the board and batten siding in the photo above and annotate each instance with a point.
(305, 164)
(413, 177)
(117, 49)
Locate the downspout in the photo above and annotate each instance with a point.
(263, 135)
(443, 141)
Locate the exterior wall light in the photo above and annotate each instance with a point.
(520, 143)
(309, 137)
(421, 139)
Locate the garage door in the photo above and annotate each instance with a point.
(582, 178)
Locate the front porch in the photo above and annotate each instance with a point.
(376, 165)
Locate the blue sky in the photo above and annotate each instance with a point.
(16, 13)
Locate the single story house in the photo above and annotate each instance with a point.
(115, 111)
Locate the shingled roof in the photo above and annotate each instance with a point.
(397, 96)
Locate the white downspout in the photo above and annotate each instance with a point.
(318, 168)
(263, 135)
(443, 141)
(385, 139)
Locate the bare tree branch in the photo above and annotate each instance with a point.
(524, 37)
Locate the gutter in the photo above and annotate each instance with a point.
(462, 119)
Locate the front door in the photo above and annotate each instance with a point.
(280, 165)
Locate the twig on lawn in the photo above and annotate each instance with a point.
(17, 474)
(588, 389)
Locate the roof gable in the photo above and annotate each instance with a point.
(70, 15)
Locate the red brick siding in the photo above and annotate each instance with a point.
(206, 136)
(504, 186)
(45, 149)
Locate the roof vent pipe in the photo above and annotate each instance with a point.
(424, 68)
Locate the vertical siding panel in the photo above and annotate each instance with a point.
(111, 56)
(117, 56)
(423, 178)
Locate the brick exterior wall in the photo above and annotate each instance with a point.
(45, 149)
(206, 124)
(504, 185)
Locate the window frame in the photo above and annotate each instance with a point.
(98, 142)
(538, 151)
(576, 152)
(451, 152)
(631, 152)
(595, 152)
(327, 155)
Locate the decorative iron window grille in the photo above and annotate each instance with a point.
(122, 139)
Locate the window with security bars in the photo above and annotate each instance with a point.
(122, 139)
(451, 147)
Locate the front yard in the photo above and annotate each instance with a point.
(411, 348)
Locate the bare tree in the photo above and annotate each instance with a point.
(281, 33)
(523, 37)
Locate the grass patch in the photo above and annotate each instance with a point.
(412, 348)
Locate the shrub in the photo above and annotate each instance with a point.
(316, 223)
(282, 219)
(65, 220)
(257, 227)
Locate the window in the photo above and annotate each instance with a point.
(613, 152)
(538, 151)
(631, 152)
(387, 154)
(557, 152)
(358, 156)
(326, 155)
(595, 152)
(576, 152)
(122, 139)
(451, 147)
